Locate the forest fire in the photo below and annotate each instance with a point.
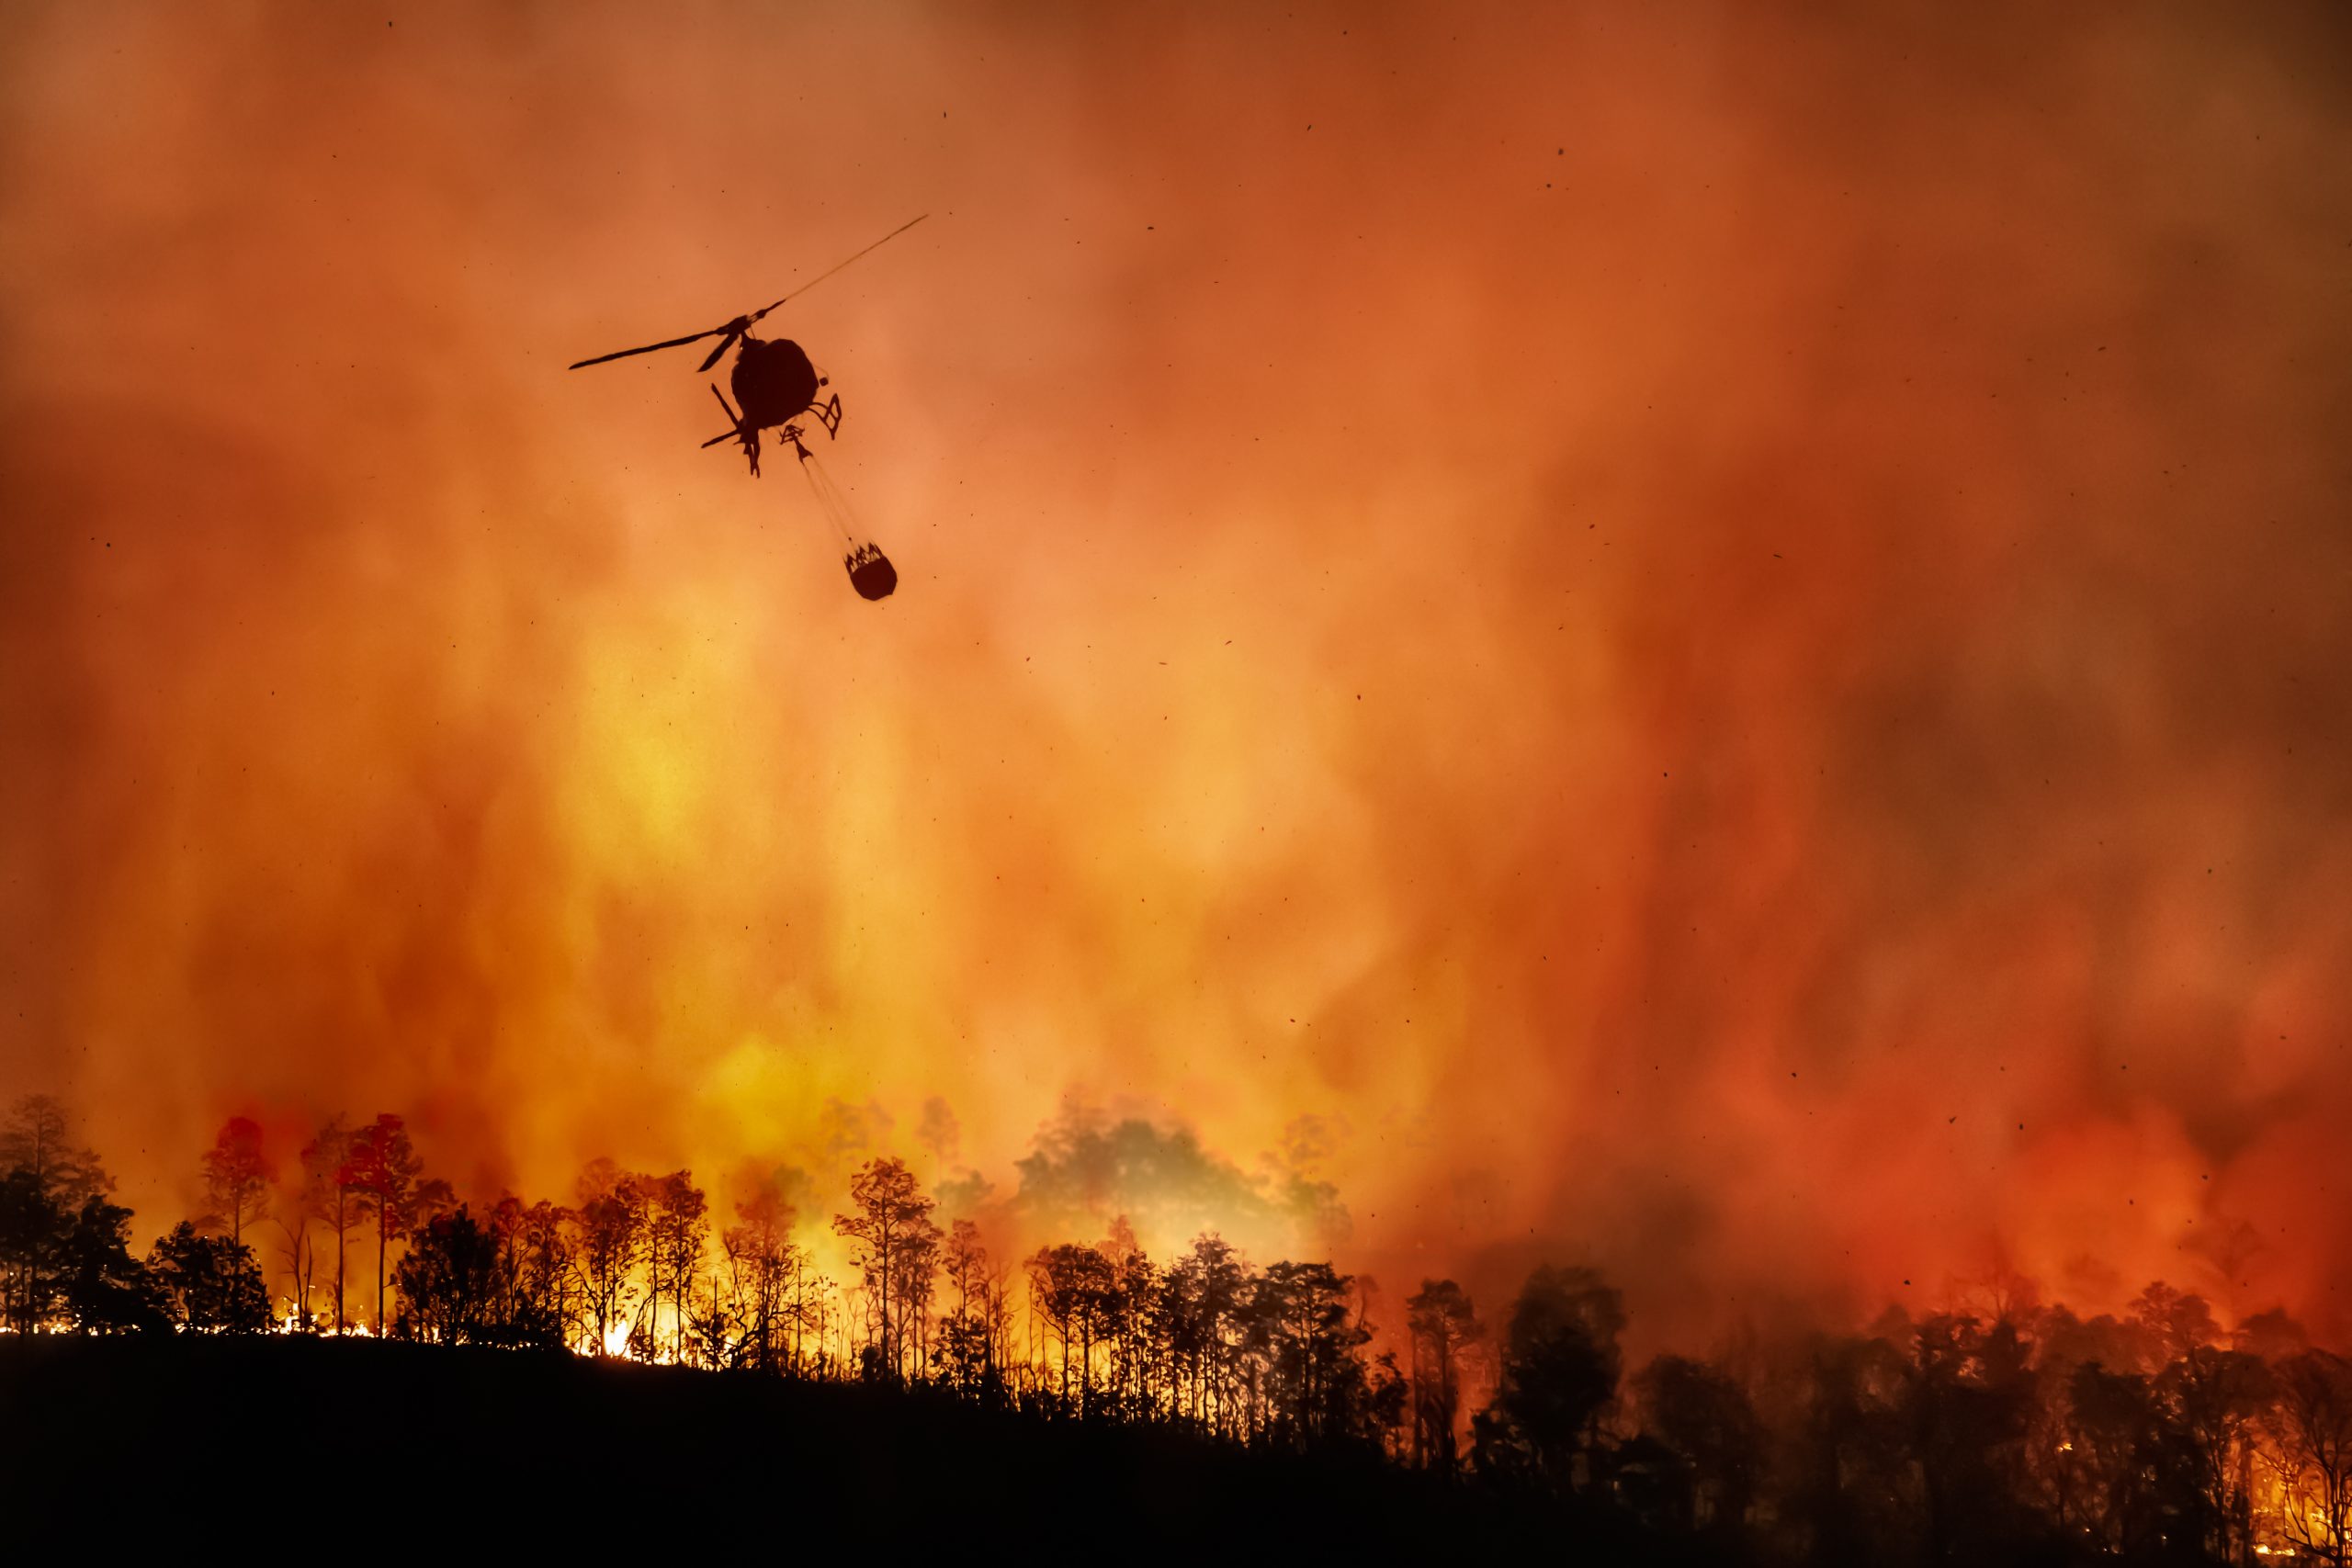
(1702, 658)
(2117, 1433)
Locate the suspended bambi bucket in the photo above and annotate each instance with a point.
(870, 571)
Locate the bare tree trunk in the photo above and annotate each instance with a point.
(383, 1223)
(885, 1239)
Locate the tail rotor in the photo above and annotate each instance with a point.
(747, 434)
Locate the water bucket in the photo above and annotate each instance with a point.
(870, 572)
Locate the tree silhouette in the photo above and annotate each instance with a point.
(892, 1230)
(292, 1212)
(1205, 1291)
(455, 1284)
(32, 1237)
(1443, 1326)
(2028, 1435)
(39, 1139)
(1072, 1284)
(1560, 1364)
(1701, 1413)
(914, 1275)
(2311, 1435)
(759, 1261)
(2121, 1471)
(536, 1269)
(1315, 1387)
(966, 1344)
(1138, 1308)
(2215, 1397)
(610, 1221)
(325, 1196)
(211, 1284)
(1967, 1405)
(677, 1226)
(237, 1176)
(380, 1169)
(106, 1289)
(1849, 1493)
(46, 1182)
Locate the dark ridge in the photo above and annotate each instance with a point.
(560, 1452)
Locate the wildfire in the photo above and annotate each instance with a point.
(1823, 796)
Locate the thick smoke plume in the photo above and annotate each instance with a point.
(1716, 641)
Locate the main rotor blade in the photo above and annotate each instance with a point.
(648, 348)
(838, 265)
(733, 332)
(728, 332)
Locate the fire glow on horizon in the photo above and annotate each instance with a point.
(1710, 644)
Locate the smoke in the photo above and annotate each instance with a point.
(1711, 643)
(1087, 1171)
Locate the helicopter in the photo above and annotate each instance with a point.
(775, 385)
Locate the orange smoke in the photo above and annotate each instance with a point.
(1717, 644)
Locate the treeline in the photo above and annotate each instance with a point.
(2006, 1430)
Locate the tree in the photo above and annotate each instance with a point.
(966, 1346)
(211, 1284)
(1315, 1390)
(48, 1179)
(610, 1226)
(2172, 1324)
(914, 1274)
(1705, 1416)
(32, 1237)
(1072, 1285)
(1851, 1492)
(237, 1176)
(454, 1283)
(892, 1212)
(106, 1289)
(380, 1168)
(1560, 1364)
(759, 1260)
(1202, 1295)
(676, 1225)
(967, 1261)
(2310, 1430)
(1137, 1309)
(535, 1268)
(1443, 1326)
(1967, 1405)
(2213, 1399)
(39, 1139)
(325, 1196)
(1386, 1390)
(2122, 1477)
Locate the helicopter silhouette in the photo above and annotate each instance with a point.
(775, 384)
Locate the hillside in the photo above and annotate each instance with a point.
(472, 1449)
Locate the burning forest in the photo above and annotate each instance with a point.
(2000, 1428)
(1601, 763)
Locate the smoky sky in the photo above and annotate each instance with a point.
(1711, 640)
